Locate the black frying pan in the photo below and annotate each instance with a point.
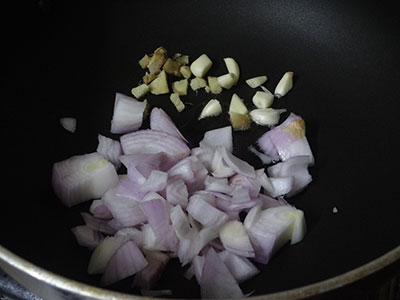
(68, 58)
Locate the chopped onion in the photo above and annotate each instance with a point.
(205, 213)
(103, 253)
(148, 277)
(68, 124)
(110, 149)
(240, 267)
(128, 114)
(218, 137)
(160, 121)
(235, 239)
(151, 142)
(83, 177)
(286, 140)
(99, 210)
(177, 192)
(216, 279)
(126, 261)
(86, 236)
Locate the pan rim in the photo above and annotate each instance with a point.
(83, 289)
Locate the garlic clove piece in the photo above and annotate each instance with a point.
(233, 68)
(256, 81)
(284, 85)
(263, 99)
(227, 80)
(213, 108)
(266, 116)
(201, 65)
(237, 105)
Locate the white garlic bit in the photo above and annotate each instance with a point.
(68, 124)
(233, 68)
(256, 81)
(266, 116)
(213, 108)
(201, 65)
(237, 105)
(227, 80)
(263, 99)
(284, 85)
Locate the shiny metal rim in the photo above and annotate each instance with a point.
(102, 294)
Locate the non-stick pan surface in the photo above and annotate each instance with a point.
(68, 58)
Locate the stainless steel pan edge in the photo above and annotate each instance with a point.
(50, 286)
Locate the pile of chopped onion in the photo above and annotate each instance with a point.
(204, 206)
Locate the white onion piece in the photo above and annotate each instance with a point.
(98, 224)
(125, 210)
(198, 264)
(218, 137)
(87, 237)
(180, 222)
(205, 213)
(240, 267)
(156, 182)
(126, 261)
(83, 177)
(176, 192)
(151, 142)
(262, 156)
(216, 279)
(131, 234)
(205, 155)
(218, 185)
(272, 186)
(160, 121)
(235, 239)
(296, 167)
(251, 184)
(129, 189)
(156, 212)
(252, 216)
(99, 210)
(268, 202)
(191, 171)
(128, 114)
(218, 166)
(145, 163)
(286, 140)
(149, 275)
(271, 231)
(103, 253)
(236, 164)
(68, 124)
(110, 149)
(150, 241)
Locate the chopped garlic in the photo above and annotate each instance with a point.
(201, 65)
(237, 105)
(180, 87)
(263, 99)
(233, 68)
(144, 61)
(140, 91)
(172, 67)
(256, 81)
(239, 121)
(284, 85)
(159, 85)
(185, 71)
(176, 100)
(227, 80)
(197, 83)
(215, 87)
(266, 116)
(157, 60)
(182, 59)
(213, 108)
